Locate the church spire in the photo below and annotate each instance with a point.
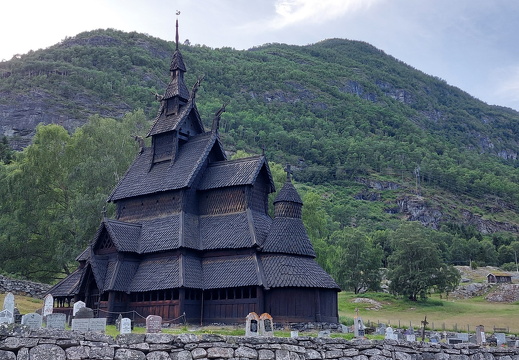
(176, 35)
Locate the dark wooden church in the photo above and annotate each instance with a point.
(192, 234)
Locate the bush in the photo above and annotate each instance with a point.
(509, 266)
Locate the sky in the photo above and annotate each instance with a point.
(471, 44)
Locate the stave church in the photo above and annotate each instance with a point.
(192, 236)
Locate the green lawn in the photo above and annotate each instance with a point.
(457, 315)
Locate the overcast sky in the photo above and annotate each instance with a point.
(472, 44)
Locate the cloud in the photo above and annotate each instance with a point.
(292, 12)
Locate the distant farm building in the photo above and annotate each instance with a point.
(499, 278)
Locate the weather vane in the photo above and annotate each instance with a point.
(178, 12)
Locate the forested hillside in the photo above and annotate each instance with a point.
(372, 141)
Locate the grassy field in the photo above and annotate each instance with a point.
(458, 315)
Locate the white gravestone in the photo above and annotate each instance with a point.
(48, 305)
(252, 324)
(56, 321)
(359, 328)
(390, 335)
(32, 320)
(501, 338)
(78, 305)
(9, 302)
(6, 317)
(126, 326)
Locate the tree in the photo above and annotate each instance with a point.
(357, 263)
(415, 266)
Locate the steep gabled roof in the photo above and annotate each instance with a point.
(160, 234)
(125, 236)
(68, 286)
(164, 123)
(235, 172)
(142, 178)
(288, 236)
(295, 271)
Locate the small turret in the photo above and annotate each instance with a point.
(288, 203)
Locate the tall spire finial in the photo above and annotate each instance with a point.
(176, 36)
(289, 172)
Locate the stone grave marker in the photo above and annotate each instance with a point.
(6, 317)
(84, 313)
(359, 327)
(480, 335)
(390, 334)
(266, 323)
(452, 341)
(56, 321)
(82, 325)
(294, 333)
(97, 325)
(410, 335)
(501, 338)
(32, 320)
(381, 329)
(126, 326)
(9, 302)
(463, 336)
(153, 324)
(323, 334)
(118, 322)
(48, 304)
(78, 305)
(252, 324)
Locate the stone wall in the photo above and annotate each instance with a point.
(23, 287)
(18, 343)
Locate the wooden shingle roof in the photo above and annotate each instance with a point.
(140, 179)
(157, 274)
(231, 271)
(288, 236)
(288, 193)
(68, 286)
(228, 231)
(234, 172)
(295, 271)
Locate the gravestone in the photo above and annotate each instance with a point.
(82, 325)
(480, 335)
(6, 317)
(324, 334)
(48, 305)
(381, 329)
(294, 333)
(78, 305)
(266, 325)
(410, 337)
(252, 324)
(97, 325)
(9, 302)
(359, 327)
(56, 321)
(153, 324)
(501, 338)
(463, 336)
(452, 341)
(118, 322)
(125, 326)
(32, 320)
(84, 313)
(390, 334)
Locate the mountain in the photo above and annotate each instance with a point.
(374, 137)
